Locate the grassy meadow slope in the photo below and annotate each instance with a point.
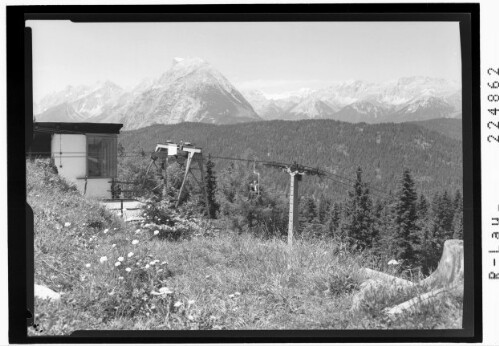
(381, 150)
(210, 278)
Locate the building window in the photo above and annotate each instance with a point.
(101, 156)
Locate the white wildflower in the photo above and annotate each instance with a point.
(147, 266)
(130, 254)
(162, 291)
(135, 242)
(121, 278)
(67, 224)
(393, 262)
(137, 231)
(117, 264)
(235, 294)
(128, 270)
(88, 265)
(121, 259)
(178, 304)
(165, 290)
(156, 232)
(106, 230)
(113, 246)
(103, 259)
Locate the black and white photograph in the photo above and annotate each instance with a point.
(246, 175)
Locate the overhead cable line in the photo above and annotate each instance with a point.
(324, 173)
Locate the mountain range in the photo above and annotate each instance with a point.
(192, 90)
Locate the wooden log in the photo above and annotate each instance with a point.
(388, 286)
(371, 274)
(415, 303)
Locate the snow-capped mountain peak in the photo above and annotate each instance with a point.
(194, 90)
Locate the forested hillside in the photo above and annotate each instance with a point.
(452, 128)
(381, 150)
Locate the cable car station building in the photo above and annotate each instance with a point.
(84, 153)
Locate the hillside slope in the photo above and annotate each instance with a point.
(113, 277)
(381, 150)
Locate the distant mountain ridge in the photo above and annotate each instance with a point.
(192, 90)
(406, 99)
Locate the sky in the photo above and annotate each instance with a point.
(272, 57)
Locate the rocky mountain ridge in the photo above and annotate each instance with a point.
(192, 90)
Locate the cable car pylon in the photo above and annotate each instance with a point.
(295, 171)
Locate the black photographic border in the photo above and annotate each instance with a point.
(19, 125)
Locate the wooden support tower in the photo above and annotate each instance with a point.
(295, 172)
(293, 206)
(190, 153)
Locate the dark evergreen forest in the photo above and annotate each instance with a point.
(383, 151)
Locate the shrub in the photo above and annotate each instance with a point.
(169, 224)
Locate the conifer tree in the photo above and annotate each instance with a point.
(358, 224)
(458, 216)
(405, 222)
(422, 208)
(424, 232)
(444, 217)
(333, 222)
(323, 209)
(381, 221)
(310, 210)
(121, 150)
(211, 186)
(436, 230)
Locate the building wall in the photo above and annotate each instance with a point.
(72, 164)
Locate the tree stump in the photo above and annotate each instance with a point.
(450, 269)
